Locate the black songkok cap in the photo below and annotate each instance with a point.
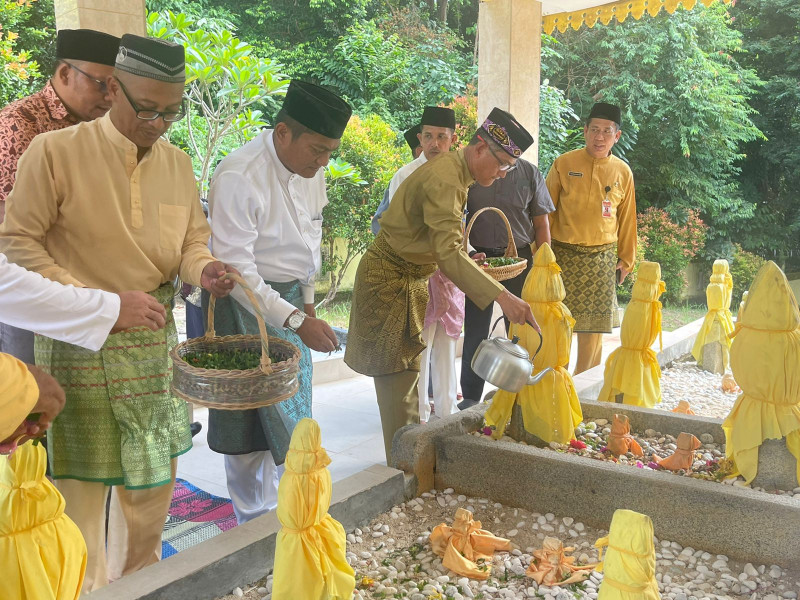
(152, 58)
(610, 112)
(323, 112)
(87, 44)
(411, 137)
(438, 116)
(506, 132)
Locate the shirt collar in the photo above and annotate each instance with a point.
(115, 136)
(596, 160)
(466, 177)
(283, 174)
(55, 106)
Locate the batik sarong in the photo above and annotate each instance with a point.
(590, 282)
(121, 424)
(269, 427)
(387, 315)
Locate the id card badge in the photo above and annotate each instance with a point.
(607, 208)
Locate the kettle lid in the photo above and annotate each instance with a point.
(511, 346)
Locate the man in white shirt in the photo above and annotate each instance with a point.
(266, 202)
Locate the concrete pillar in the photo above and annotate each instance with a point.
(115, 17)
(509, 62)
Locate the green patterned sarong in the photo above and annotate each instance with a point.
(120, 425)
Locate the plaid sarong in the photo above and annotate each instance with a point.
(589, 281)
(120, 425)
(269, 427)
(387, 315)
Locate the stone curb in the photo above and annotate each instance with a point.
(738, 522)
(246, 553)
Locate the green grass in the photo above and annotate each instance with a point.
(338, 313)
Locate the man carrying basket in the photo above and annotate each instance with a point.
(266, 202)
(421, 230)
(108, 204)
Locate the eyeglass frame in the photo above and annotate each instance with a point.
(157, 113)
(504, 166)
(102, 85)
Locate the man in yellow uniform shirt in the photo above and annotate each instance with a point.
(593, 229)
(421, 230)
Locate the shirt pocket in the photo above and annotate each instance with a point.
(172, 223)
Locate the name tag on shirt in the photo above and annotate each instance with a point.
(607, 208)
(575, 174)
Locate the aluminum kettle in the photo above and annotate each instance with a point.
(506, 364)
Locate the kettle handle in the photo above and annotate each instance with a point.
(541, 339)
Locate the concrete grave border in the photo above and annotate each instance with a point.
(739, 522)
(246, 553)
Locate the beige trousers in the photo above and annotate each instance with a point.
(398, 404)
(135, 523)
(590, 351)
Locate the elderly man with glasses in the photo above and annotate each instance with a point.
(420, 231)
(111, 205)
(76, 92)
(593, 229)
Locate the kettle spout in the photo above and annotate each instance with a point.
(534, 379)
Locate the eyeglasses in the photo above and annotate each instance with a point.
(605, 131)
(148, 114)
(504, 166)
(101, 85)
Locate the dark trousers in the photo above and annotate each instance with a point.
(195, 321)
(477, 322)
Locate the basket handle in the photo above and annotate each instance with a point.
(266, 362)
(511, 249)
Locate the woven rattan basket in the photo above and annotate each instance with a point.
(270, 383)
(507, 271)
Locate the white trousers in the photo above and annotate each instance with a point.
(252, 483)
(438, 361)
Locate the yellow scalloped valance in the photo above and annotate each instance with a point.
(616, 10)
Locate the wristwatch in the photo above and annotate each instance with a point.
(295, 320)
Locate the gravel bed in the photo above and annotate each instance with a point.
(703, 390)
(393, 559)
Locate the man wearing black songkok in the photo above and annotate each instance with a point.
(266, 201)
(76, 92)
(111, 205)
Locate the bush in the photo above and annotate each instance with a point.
(672, 245)
(744, 267)
(370, 145)
(466, 109)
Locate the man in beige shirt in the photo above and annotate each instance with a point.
(109, 204)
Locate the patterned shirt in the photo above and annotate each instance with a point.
(20, 122)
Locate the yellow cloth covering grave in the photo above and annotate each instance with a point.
(465, 548)
(310, 561)
(550, 409)
(551, 565)
(765, 359)
(718, 323)
(42, 552)
(632, 369)
(630, 562)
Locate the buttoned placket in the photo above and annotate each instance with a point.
(301, 217)
(133, 168)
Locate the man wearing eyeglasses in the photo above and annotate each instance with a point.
(593, 229)
(110, 205)
(420, 231)
(523, 197)
(76, 92)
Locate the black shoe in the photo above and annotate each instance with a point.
(467, 403)
(195, 428)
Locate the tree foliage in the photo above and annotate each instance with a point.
(685, 96)
(770, 177)
(23, 45)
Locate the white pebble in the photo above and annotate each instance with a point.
(237, 591)
(568, 521)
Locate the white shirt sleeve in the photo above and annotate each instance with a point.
(79, 316)
(234, 210)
